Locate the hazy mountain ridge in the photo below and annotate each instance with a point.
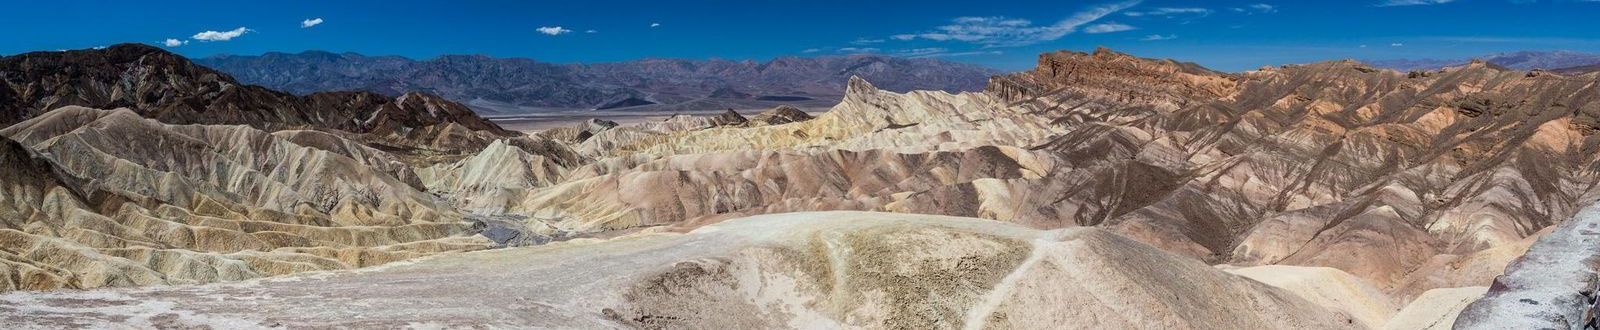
(492, 84)
(1524, 60)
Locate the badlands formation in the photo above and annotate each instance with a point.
(1096, 190)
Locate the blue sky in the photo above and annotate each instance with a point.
(1226, 35)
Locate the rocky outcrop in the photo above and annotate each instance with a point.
(782, 114)
(1114, 78)
(1551, 287)
(729, 118)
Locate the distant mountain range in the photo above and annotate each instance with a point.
(1526, 60)
(519, 85)
(161, 85)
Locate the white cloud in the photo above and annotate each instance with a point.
(1397, 45)
(174, 42)
(999, 31)
(921, 52)
(310, 22)
(1157, 37)
(855, 50)
(1259, 8)
(655, 24)
(811, 50)
(991, 52)
(1394, 3)
(1107, 28)
(553, 30)
(591, 31)
(1170, 11)
(221, 36)
(865, 41)
(1363, 46)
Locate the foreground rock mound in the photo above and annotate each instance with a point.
(834, 269)
(1553, 286)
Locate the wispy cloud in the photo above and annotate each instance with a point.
(1158, 37)
(920, 52)
(858, 50)
(1000, 31)
(553, 30)
(1397, 45)
(591, 31)
(174, 42)
(1259, 8)
(971, 53)
(865, 41)
(1107, 28)
(310, 22)
(1396, 3)
(1170, 11)
(655, 24)
(220, 36)
(907, 53)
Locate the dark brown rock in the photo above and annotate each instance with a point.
(167, 87)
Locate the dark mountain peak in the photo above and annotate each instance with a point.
(131, 49)
(118, 54)
(164, 86)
